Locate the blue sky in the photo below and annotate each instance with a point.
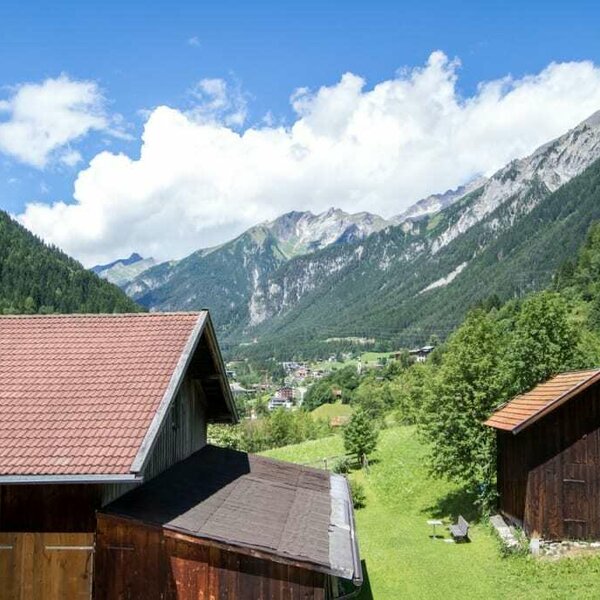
(145, 54)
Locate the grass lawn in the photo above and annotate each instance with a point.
(403, 562)
(326, 411)
(367, 359)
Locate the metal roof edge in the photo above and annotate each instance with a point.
(342, 519)
(102, 315)
(71, 478)
(143, 453)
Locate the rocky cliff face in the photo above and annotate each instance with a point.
(231, 277)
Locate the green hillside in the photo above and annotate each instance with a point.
(402, 561)
(391, 304)
(220, 279)
(328, 411)
(35, 277)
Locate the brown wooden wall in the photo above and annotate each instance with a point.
(549, 474)
(45, 508)
(46, 566)
(137, 561)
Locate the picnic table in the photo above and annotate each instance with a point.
(434, 523)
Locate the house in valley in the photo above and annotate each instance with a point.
(286, 392)
(276, 402)
(109, 490)
(421, 354)
(548, 442)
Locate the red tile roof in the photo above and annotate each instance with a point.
(527, 408)
(78, 392)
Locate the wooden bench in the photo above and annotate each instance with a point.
(460, 531)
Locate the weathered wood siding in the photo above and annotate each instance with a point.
(184, 430)
(46, 566)
(138, 561)
(71, 508)
(549, 474)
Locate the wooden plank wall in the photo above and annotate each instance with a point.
(48, 508)
(184, 430)
(137, 561)
(46, 566)
(549, 474)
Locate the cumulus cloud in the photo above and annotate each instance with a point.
(199, 178)
(39, 120)
(217, 101)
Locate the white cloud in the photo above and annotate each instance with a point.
(218, 102)
(194, 41)
(70, 158)
(198, 179)
(39, 120)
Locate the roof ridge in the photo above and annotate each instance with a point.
(105, 315)
(588, 378)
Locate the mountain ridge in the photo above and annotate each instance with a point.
(277, 281)
(396, 268)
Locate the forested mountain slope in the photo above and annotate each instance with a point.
(405, 283)
(402, 304)
(35, 277)
(226, 278)
(309, 283)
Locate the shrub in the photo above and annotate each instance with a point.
(357, 490)
(342, 465)
(226, 436)
(279, 428)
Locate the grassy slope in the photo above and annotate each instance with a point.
(368, 359)
(403, 562)
(327, 411)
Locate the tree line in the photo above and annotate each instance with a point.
(38, 278)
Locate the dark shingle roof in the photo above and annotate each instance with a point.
(286, 510)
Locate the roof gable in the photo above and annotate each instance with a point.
(84, 394)
(525, 409)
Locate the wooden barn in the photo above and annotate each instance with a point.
(549, 457)
(109, 490)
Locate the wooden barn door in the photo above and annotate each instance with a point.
(46, 566)
(10, 562)
(575, 501)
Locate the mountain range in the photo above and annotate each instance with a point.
(293, 284)
(123, 270)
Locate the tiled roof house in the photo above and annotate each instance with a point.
(106, 479)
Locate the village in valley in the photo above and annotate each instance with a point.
(287, 387)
